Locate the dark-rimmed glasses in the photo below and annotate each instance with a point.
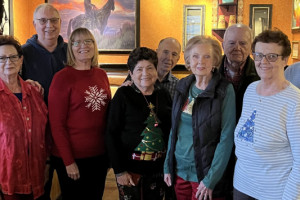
(87, 42)
(271, 57)
(13, 58)
(53, 20)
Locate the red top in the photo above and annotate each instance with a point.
(78, 101)
(22, 141)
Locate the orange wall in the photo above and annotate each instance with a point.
(281, 16)
(159, 19)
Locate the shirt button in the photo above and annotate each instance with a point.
(24, 107)
(27, 118)
(29, 130)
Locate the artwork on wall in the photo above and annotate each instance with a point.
(114, 23)
(260, 17)
(5, 12)
(193, 22)
(295, 49)
(296, 15)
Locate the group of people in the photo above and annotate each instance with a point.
(228, 130)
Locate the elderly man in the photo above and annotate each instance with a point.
(237, 66)
(292, 74)
(45, 52)
(239, 69)
(44, 55)
(168, 53)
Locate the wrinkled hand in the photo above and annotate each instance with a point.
(73, 171)
(125, 179)
(36, 85)
(203, 192)
(167, 179)
(127, 83)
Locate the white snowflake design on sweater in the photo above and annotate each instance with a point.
(95, 98)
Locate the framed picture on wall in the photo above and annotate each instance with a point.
(114, 23)
(193, 22)
(260, 17)
(5, 17)
(296, 15)
(295, 49)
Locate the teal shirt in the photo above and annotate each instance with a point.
(184, 152)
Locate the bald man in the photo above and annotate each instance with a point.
(168, 53)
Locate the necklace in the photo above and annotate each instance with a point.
(151, 107)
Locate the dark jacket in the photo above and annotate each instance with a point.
(249, 76)
(40, 65)
(206, 122)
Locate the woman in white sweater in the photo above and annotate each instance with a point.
(267, 136)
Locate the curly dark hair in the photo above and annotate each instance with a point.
(274, 36)
(11, 40)
(141, 53)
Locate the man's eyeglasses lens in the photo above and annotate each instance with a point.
(13, 58)
(44, 20)
(271, 57)
(85, 42)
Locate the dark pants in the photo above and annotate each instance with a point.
(237, 195)
(170, 192)
(91, 183)
(149, 187)
(48, 185)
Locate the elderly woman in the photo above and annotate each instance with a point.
(267, 136)
(23, 118)
(203, 121)
(138, 127)
(78, 99)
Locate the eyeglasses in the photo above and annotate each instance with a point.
(271, 57)
(13, 58)
(87, 42)
(43, 21)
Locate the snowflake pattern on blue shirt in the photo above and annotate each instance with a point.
(247, 130)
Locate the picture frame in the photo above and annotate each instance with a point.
(295, 49)
(116, 31)
(6, 25)
(193, 22)
(296, 16)
(260, 17)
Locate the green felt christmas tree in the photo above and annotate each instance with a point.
(152, 135)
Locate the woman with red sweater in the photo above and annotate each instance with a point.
(78, 98)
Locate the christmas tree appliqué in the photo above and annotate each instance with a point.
(152, 135)
(247, 130)
(95, 98)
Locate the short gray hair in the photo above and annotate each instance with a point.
(44, 5)
(242, 26)
(203, 39)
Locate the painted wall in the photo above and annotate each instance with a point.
(159, 19)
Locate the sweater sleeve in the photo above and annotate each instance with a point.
(166, 164)
(224, 148)
(115, 126)
(58, 103)
(292, 187)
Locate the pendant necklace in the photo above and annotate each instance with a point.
(151, 107)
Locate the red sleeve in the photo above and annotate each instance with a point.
(58, 105)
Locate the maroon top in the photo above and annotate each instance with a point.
(78, 101)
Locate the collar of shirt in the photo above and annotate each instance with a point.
(24, 86)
